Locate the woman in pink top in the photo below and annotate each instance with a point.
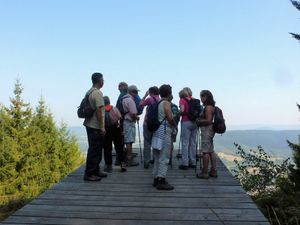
(188, 132)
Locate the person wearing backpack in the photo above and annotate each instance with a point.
(151, 96)
(95, 129)
(207, 134)
(113, 135)
(162, 139)
(129, 120)
(188, 130)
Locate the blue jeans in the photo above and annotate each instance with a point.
(94, 154)
(188, 134)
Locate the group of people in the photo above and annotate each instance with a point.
(116, 126)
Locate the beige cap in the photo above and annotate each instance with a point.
(133, 88)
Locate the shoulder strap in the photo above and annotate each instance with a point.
(91, 91)
(154, 99)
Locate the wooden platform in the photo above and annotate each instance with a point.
(129, 198)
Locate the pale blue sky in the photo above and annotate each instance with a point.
(240, 50)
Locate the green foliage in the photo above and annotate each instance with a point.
(275, 188)
(256, 171)
(34, 152)
(294, 170)
(296, 4)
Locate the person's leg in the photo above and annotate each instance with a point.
(213, 160)
(155, 167)
(193, 145)
(108, 149)
(185, 136)
(205, 148)
(94, 154)
(147, 145)
(119, 147)
(163, 162)
(129, 138)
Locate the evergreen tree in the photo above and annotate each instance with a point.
(297, 6)
(34, 152)
(16, 145)
(294, 170)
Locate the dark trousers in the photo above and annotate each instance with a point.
(94, 154)
(113, 135)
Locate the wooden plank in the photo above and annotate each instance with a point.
(129, 198)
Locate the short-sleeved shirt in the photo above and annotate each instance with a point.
(149, 101)
(129, 107)
(185, 104)
(96, 101)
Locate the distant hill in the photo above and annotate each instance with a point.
(272, 141)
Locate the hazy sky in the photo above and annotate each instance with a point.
(240, 50)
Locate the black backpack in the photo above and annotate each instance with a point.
(153, 122)
(195, 108)
(219, 125)
(119, 105)
(85, 109)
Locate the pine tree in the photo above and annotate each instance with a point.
(294, 170)
(34, 152)
(15, 164)
(296, 4)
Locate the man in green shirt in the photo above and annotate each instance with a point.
(95, 129)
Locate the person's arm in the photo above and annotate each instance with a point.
(181, 106)
(132, 109)
(100, 118)
(169, 114)
(142, 103)
(208, 116)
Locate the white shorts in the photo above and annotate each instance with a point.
(129, 131)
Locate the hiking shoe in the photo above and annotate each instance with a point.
(213, 173)
(162, 184)
(108, 169)
(91, 178)
(123, 167)
(101, 174)
(202, 175)
(183, 167)
(155, 182)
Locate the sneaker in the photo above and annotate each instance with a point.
(91, 178)
(202, 175)
(155, 182)
(101, 174)
(162, 184)
(213, 173)
(123, 167)
(183, 167)
(108, 169)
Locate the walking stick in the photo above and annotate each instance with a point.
(197, 156)
(200, 150)
(178, 156)
(140, 141)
